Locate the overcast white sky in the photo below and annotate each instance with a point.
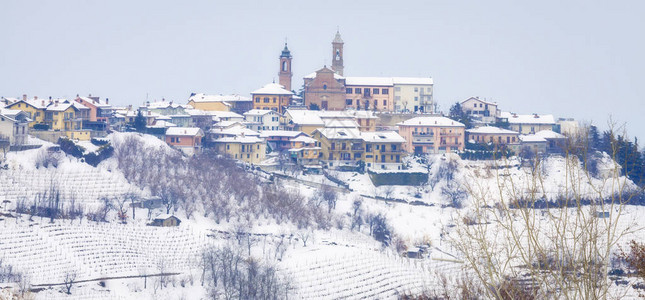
(581, 59)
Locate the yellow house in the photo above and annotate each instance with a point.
(235, 103)
(340, 147)
(304, 150)
(272, 97)
(250, 149)
(62, 117)
(34, 108)
(528, 124)
(383, 150)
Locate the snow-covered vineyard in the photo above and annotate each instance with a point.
(368, 242)
(47, 252)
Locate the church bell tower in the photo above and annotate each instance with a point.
(285, 73)
(337, 54)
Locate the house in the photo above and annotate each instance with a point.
(233, 103)
(369, 93)
(99, 114)
(340, 147)
(220, 116)
(230, 129)
(250, 149)
(532, 144)
(165, 220)
(481, 111)
(35, 109)
(261, 119)
(200, 118)
(61, 116)
(305, 152)
(528, 124)
(280, 140)
(302, 120)
(492, 135)
(555, 142)
(432, 135)
(414, 94)
(186, 139)
(383, 150)
(14, 127)
(271, 96)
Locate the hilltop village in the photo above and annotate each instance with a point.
(335, 121)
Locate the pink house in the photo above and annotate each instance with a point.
(431, 135)
(186, 139)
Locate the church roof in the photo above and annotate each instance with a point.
(337, 38)
(286, 52)
(272, 89)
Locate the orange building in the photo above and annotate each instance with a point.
(272, 97)
(432, 135)
(186, 139)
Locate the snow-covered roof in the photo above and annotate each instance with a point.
(382, 136)
(197, 112)
(340, 122)
(80, 106)
(313, 75)
(258, 112)
(240, 139)
(371, 81)
(491, 130)
(340, 133)
(96, 102)
(164, 104)
(272, 89)
(431, 121)
(200, 97)
(164, 216)
(225, 114)
(184, 131)
(282, 133)
(59, 106)
(162, 124)
(531, 138)
(235, 130)
(549, 134)
(304, 139)
(413, 80)
(479, 100)
(527, 119)
(305, 117)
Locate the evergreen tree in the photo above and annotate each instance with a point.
(139, 122)
(594, 138)
(457, 114)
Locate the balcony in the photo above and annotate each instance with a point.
(423, 134)
(450, 134)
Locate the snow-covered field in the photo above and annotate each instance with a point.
(340, 263)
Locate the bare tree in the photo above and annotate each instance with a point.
(304, 236)
(562, 245)
(69, 280)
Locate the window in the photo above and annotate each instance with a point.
(358, 91)
(257, 99)
(385, 91)
(325, 86)
(172, 139)
(348, 90)
(333, 146)
(384, 102)
(348, 101)
(273, 99)
(375, 91)
(284, 65)
(396, 89)
(416, 98)
(375, 103)
(416, 89)
(397, 98)
(177, 140)
(266, 99)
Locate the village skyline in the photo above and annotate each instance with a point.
(530, 58)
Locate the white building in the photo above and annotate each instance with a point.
(481, 111)
(14, 127)
(262, 119)
(413, 94)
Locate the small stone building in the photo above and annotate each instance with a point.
(165, 220)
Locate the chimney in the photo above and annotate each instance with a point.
(107, 101)
(89, 95)
(42, 102)
(36, 97)
(163, 99)
(149, 113)
(147, 103)
(24, 97)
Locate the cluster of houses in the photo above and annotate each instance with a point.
(336, 122)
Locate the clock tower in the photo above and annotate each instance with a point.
(337, 54)
(285, 73)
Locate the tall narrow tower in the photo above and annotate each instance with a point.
(337, 54)
(285, 73)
